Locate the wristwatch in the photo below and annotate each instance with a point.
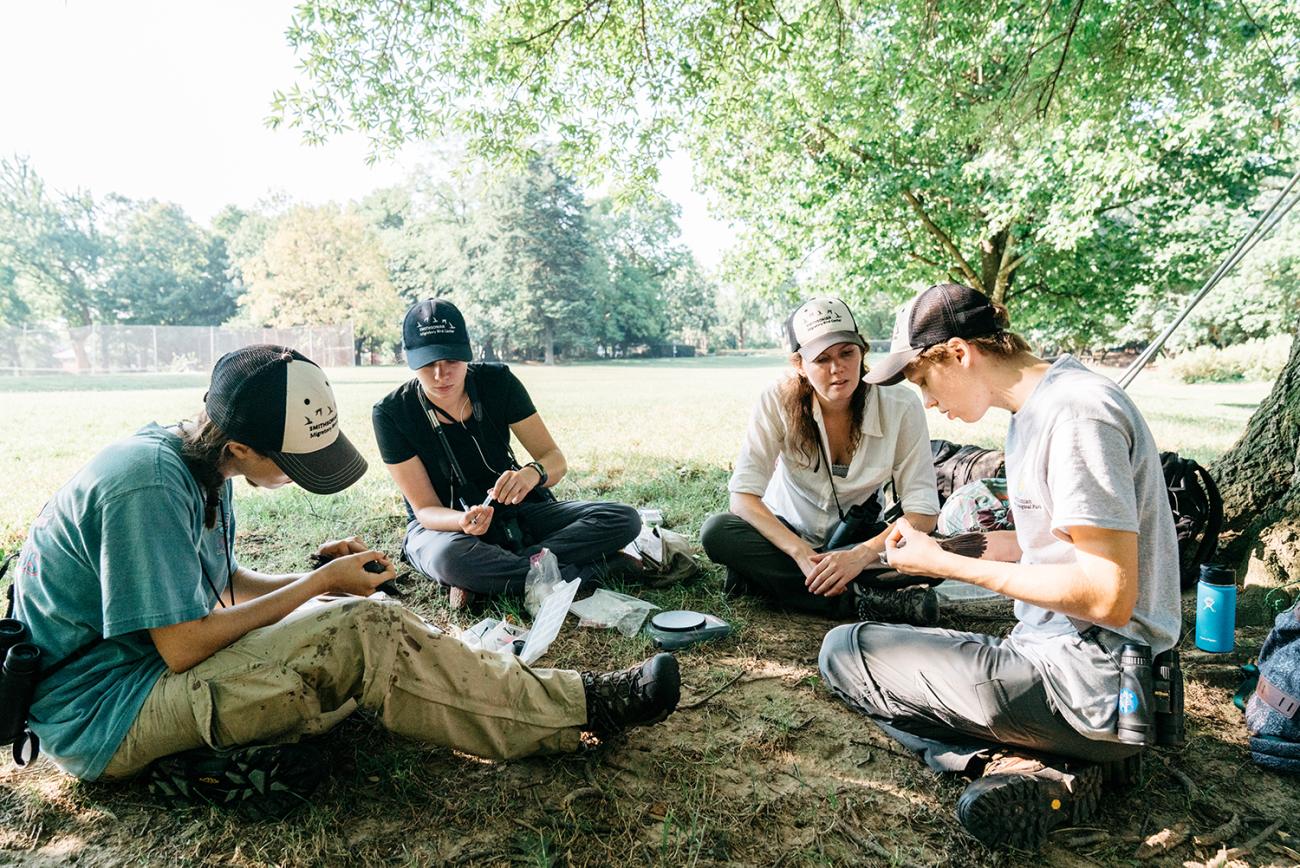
(542, 476)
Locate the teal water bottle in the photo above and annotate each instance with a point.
(1216, 608)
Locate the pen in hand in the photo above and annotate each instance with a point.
(485, 502)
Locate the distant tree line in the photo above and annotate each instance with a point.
(540, 269)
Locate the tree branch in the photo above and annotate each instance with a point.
(1045, 100)
(559, 26)
(944, 240)
(645, 36)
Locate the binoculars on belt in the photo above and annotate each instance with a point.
(20, 664)
(1150, 697)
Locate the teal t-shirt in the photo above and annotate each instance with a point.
(119, 549)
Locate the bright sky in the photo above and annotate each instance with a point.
(167, 100)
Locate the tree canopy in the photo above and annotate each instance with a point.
(1076, 160)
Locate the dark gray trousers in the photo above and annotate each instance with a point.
(756, 566)
(950, 697)
(577, 533)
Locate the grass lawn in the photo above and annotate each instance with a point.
(770, 770)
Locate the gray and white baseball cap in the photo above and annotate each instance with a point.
(820, 323)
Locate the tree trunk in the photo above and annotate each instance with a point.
(1260, 480)
(991, 261)
(548, 341)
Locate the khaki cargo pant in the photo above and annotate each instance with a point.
(308, 672)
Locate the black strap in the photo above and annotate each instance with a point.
(458, 478)
(1214, 522)
(46, 671)
(4, 568)
(825, 456)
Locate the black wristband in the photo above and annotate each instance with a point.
(542, 476)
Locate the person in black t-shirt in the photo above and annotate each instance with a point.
(475, 515)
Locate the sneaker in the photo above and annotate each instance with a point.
(637, 696)
(916, 606)
(459, 598)
(260, 782)
(1018, 802)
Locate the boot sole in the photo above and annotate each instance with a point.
(1020, 811)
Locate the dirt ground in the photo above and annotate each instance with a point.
(759, 766)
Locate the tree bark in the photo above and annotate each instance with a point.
(548, 341)
(1260, 481)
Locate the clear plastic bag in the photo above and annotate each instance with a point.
(542, 580)
(612, 609)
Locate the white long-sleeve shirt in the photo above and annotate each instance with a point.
(895, 445)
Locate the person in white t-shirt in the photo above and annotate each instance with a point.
(1092, 565)
(821, 445)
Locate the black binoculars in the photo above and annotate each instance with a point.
(1150, 697)
(20, 664)
(861, 522)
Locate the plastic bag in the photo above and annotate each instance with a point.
(612, 609)
(493, 635)
(982, 505)
(542, 580)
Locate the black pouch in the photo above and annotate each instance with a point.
(505, 531)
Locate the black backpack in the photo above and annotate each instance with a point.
(1198, 513)
(956, 465)
(1193, 497)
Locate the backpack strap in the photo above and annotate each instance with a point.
(45, 671)
(1214, 522)
(4, 568)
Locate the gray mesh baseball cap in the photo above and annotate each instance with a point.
(945, 310)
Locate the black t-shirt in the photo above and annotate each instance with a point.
(480, 443)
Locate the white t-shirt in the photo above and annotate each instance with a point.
(895, 445)
(1080, 454)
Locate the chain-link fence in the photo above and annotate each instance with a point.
(102, 349)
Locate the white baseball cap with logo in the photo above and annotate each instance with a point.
(820, 323)
(279, 402)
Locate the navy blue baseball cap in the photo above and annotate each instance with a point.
(434, 330)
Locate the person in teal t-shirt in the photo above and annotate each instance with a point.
(155, 640)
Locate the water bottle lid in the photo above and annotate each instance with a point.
(1217, 574)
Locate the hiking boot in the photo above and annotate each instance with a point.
(637, 696)
(916, 606)
(734, 584)
(260, 782)
(459, 598)
(1127, 772)
(1019, 801)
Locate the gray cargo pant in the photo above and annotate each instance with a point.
(952, 698)
(576, 532)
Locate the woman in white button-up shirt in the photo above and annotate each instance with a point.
(787, 495)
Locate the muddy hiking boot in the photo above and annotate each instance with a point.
(260, 782)
(1019, 801)
(637, 696)
(916, 606)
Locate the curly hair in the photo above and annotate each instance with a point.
(801, 435)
